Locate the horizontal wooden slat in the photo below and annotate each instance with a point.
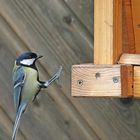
(133, 59)
(102, 80)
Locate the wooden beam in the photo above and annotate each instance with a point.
(136, 23)
(107, 31)
(117, 30)
(103, 31)
(128, 37)
(133, 59)
(136, 81)
(102, 80)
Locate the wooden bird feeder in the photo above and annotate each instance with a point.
(116, 68)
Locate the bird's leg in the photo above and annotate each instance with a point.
(52, 79)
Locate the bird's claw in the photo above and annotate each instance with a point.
(58, 73)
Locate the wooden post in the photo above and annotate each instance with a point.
(103, 31)
(137, 81)
(136, 23)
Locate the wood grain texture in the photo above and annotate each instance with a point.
(126, 73)
(128, 35)
(103, 32)
(136, 23)
(133, 59)
(117, 29)
(102, 80)
(137, 81)
(114, 30)
(82, 9)
(12, 38)
(40, 26)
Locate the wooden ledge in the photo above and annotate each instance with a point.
(133, 59)
(102, 80)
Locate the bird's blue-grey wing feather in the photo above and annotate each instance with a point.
(18, 80)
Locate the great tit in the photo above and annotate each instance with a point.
(26, 84)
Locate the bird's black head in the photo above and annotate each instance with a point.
(27, 59)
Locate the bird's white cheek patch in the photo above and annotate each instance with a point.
(27, 61)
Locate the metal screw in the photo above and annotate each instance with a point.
(97, 75)
(80, 82)
(115, 79)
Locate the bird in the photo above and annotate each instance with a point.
(26, 84)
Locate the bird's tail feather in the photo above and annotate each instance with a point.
(17, 121)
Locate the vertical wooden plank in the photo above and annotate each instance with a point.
(136, 23)
(128, 36)
(126, 80)
(117, 30)
(136, 81)
(103, 31)
(107, 31)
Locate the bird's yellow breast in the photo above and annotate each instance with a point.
(31, 85)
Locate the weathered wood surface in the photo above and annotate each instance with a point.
(51, 28)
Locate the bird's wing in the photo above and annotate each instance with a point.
(18, 81)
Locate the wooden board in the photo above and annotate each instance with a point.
(39, 26)
(102, 80)
(113, 30)
(137, 81)
(136, 23)
(117, 30)
(25, 26)
(128, 36)
(103, 32)
(133, 59)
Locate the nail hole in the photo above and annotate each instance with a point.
(97, 75)
(80, 82)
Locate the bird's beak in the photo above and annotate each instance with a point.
(40, 56)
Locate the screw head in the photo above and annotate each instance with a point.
(115, 79)
(80, 82)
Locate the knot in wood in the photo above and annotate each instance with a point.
(68, 19)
